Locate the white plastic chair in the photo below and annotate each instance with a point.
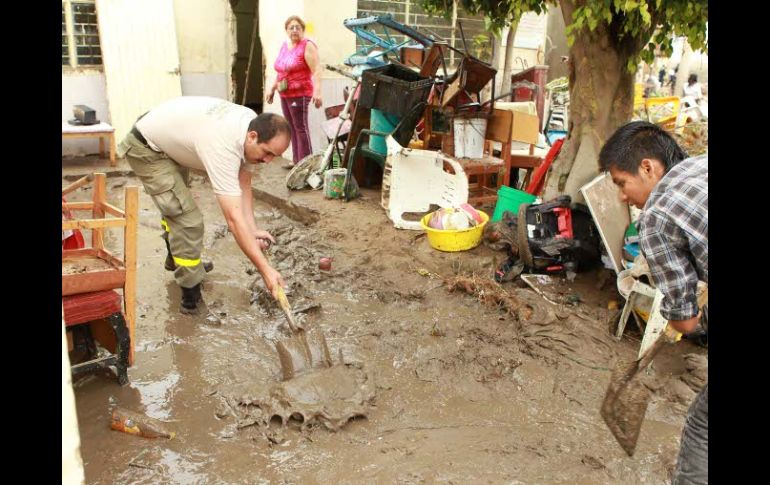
(417, 179)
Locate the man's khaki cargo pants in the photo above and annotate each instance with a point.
(166, 182)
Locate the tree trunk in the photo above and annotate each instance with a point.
(497, 45)
(601, 100)
(684, 70)
(508, 63)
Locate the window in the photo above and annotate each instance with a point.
(79, 34)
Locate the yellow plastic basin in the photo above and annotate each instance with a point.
(454, 240)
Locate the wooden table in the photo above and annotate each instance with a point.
(100, 130)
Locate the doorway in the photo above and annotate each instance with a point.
(248, 55)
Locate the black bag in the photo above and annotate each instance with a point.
(557, 235)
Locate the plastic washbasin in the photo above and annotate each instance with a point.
(454, 240)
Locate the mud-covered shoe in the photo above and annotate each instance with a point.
(191, 300)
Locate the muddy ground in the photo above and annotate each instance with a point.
(462, 390)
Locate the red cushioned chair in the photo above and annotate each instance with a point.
(91, 276)
(96, 309)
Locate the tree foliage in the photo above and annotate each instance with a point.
(654, 22)
(498, 14)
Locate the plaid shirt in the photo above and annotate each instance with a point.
(673, 236)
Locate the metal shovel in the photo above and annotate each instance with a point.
(625, 403)
(305, 349)
(626, 400)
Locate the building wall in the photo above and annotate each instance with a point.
(203, 43)
(83, 86)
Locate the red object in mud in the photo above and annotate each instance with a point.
(325, 264)
(538, 177)
(564, 222)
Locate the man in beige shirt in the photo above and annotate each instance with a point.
(220, 138)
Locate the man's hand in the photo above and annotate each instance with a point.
(317, 100)
(684, 326)
(269, 97)
(264, 238)
(273, 280)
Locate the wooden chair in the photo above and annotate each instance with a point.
(91, 274)
(487, 174)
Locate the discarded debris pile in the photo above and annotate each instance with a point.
(544, 328)
(330, 397)
(490, 293)
(694, 138)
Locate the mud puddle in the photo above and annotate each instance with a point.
(453, 388)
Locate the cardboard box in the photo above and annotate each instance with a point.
(525, 127)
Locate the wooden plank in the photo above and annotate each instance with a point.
(95, 134)
(113, 162)
(499, 126)
(610, 215)
(111, 259)
(451, 91)
(100, 197)
(78, 253)
(129, 251)
(75, 284)
(78, 206)
(115, 211)
(77, 184)
(525, 161)
(92, 223)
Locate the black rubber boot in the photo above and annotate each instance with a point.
(170, 265)
(191, 298)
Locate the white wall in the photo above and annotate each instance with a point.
(202, 31)
(83, 87)
(71, 461)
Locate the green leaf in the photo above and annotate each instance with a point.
(645, 14)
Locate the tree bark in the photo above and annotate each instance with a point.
(508, 63)
(601, 100)
(684, 70)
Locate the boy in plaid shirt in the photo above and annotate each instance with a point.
(655, 175)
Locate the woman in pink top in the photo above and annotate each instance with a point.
(298, 82)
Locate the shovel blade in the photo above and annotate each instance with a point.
(625, 405)
(303, 351)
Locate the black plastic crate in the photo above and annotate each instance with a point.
(393, 89)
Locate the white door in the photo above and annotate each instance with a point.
(140, 56)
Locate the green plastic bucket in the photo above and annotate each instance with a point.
(509, 199)
(381, 121)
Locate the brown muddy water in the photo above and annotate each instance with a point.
(439, 386)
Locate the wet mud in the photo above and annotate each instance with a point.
(428, 385)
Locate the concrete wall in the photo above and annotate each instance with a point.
(83, 86)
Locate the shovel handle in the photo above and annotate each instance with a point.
(669, 335)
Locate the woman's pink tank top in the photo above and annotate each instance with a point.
(291, 65)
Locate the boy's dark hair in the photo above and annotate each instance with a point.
(267, 125)
(635, 141)
(693, 78)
